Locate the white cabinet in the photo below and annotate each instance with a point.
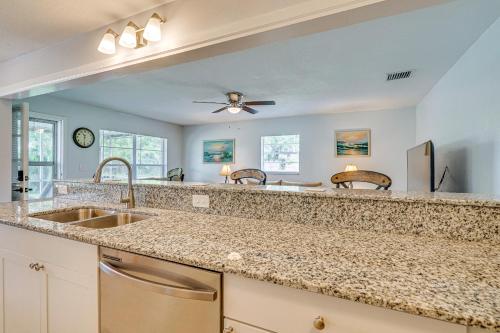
(72, 301)
(231, 326)
(274, 308)
(22, 294)
(50, 284)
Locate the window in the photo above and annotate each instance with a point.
(42, 156)
(147, 155)
(280, 154)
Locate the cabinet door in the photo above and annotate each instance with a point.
(232, 326)
(72, 304)
(286, 310)
(65, 297)
(21, 295)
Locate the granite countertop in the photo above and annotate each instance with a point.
(323, 191)
(455, 281)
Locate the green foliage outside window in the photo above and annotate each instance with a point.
(146, 154)
(280, 153)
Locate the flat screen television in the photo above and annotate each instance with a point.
(420, 168)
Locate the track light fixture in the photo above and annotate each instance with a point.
(132, 36)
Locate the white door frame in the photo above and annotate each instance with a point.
(23, 108)
(61, 134)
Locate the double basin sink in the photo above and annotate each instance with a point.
(92, 217)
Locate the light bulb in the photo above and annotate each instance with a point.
(128, 38)
(234, 109)
(152, 31)
(108, 43)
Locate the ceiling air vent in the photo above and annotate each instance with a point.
(399, 75)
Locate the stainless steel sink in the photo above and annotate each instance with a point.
(92, 218)
(75, 215)
(112, 221)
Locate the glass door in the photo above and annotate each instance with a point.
(42, 157)
(20, 118)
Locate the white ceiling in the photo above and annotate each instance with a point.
(28, 25)
(335, 71)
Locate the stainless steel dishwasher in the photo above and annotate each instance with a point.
(144, 295)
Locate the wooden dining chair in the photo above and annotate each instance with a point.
(176, 174)
(345, 179)
(256, 174)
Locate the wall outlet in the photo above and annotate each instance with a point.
(62, 189)
(201, 201)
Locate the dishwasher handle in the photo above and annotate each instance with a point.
(170, 290)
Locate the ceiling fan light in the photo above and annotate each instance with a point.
(234, 109)
(108, 42)
(152, 31)
(128, 38)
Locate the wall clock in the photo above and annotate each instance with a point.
(83, 137)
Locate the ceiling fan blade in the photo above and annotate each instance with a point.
(198, 102)
(250, 110)
(260, 103)
(220, 110)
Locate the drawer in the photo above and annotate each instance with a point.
(232, 326)
(69, 254)
(287, 310)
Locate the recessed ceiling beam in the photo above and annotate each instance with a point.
(76, 62)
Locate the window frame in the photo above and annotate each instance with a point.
(55, 151)
(60, 135)
(262, 138)
(133, 163)
(164, 152)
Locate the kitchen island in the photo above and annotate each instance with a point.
(451, 280)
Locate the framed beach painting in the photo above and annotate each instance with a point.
(352, 143)
(218, 151)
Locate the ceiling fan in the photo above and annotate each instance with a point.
(235, 103)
